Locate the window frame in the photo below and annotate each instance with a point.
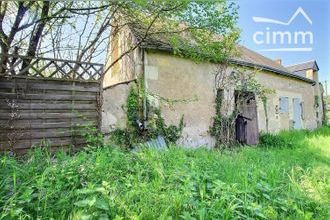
(284, 109)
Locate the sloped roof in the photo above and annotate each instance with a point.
(253, 59)
(303, 66)
(247, 57)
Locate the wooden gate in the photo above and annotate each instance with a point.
(49, 105)
(247, 131)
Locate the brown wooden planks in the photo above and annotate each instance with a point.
(50, 106)
(42, 96)
(51, 110)
(21, 84)
(32, 115)
(52, 142)
(17, 125)
(42, 133)
(75, 121)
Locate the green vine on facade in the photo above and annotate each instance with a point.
(172, 102)
(223, 127)
(316, 101)
(134, 134)
(264, 100)
(240, 81)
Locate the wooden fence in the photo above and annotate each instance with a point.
(51, 110)
(51, 68)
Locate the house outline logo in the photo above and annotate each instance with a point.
(300, 10)
(286, 40)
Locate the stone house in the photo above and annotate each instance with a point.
(294, 104)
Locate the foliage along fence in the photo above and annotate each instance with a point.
(51, 110)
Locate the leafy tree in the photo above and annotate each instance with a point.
(80, 30)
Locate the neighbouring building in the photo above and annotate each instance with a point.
(295, 103)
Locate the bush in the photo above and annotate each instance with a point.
(274, 140)
(93, 137)
(286, 139)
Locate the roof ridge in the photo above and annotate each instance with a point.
(295, 64)
(259, 54)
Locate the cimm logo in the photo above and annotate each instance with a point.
(290, 41)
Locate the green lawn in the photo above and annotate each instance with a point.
(328, 104)
(289, 180)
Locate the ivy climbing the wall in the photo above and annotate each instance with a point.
(136, 132)
(223, 127)
(237, 84)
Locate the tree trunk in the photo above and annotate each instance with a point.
(3, 59)
(35, 38)
(5, 40)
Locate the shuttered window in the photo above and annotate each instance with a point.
(284, 104)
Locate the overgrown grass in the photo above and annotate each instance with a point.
(266, 182)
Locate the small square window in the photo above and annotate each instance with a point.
(284, 105)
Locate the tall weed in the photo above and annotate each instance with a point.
(286, 180)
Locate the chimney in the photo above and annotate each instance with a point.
(278, 61)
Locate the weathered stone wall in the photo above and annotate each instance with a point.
(129, 66)
(182, 87)
(191, 88)
(118, 79)
(113, 112)
(318, 93)
(285, 87)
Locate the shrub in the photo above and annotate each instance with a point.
(274, 140)
(286, 139)
(93, 137)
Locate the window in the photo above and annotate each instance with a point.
(284, 105)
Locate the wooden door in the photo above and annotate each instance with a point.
(247, 131)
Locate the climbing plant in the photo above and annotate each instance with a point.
(230, 87)
(316, 101)
(136, 132)
(223, 126)
(264, 100)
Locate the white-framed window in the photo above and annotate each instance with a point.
(284, 105)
